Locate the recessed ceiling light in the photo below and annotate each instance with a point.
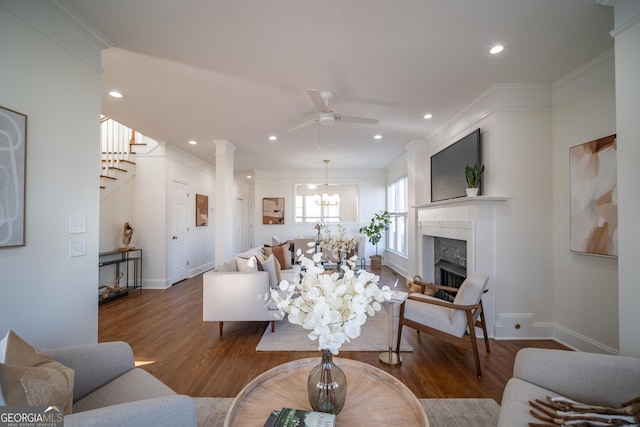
(192, 142)
(116, 94)
(496, 49)
(377, 137)
(249, 176)
(273, 138)
(428, 116)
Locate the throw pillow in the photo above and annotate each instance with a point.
(256, 252)
(247, 265)
(272, 267)
(227, 266)
(30, 378)
(282, 254)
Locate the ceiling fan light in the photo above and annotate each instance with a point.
(326, 119)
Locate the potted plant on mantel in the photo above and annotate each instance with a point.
(373, 231)
(474, 176)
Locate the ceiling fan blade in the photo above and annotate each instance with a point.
(301, 125)
(318, 101)
(356, 119)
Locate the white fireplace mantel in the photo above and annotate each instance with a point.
(461, 201)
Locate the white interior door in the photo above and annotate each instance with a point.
(179, 239)
(239, 226)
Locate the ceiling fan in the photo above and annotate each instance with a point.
(326, 116)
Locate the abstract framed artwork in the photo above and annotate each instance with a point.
(202, 210)
(273, 210)
(594, 199)
(13, 163)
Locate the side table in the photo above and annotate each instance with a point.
(390, 357)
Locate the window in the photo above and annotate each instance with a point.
(310, 209)
(334, 203)
(398, 207)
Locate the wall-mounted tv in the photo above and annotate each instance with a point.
(447, 167)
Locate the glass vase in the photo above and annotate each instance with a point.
(327, 386)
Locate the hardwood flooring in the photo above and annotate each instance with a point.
(170, 340)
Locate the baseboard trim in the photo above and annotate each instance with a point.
(580, 342)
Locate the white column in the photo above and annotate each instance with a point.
(224, 200)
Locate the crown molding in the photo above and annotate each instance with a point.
(58, 23)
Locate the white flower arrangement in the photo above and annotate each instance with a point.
(333, 309)
(339, 245)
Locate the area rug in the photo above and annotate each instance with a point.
(441, 412)
(289, 337)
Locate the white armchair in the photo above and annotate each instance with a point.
(424, 312)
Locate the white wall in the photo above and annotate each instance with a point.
(116, 209)
(527, 131)
(47, 297)
(627, 46)
(515, 122)
(200, 178)
(585, 298)
(275, 183)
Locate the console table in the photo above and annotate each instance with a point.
(374, 398)
(129, 262)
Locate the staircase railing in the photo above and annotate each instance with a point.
(117, 143)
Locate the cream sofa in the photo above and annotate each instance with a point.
(234, 294)
(594, 379)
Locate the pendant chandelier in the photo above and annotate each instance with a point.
(327, 199)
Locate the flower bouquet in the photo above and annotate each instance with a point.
(333, 308)
(339, 245)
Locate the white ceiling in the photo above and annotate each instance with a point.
(238, 70)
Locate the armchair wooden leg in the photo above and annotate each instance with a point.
(220, 329)
(273, 326)
(474, 342)
(484, 329)
(400, 320)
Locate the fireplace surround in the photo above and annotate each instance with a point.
(469, 219)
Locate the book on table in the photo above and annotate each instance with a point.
(290, 417)
(273, 417)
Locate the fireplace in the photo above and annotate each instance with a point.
(450, 269)
(467, 226)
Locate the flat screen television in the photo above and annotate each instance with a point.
(447, 167)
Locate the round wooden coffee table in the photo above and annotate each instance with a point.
(374, 398)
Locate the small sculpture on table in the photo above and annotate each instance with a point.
(127, 232)
(106, 290)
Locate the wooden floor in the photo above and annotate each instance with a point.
(170, 340)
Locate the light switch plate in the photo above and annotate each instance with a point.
(77, 224)
(77, 247)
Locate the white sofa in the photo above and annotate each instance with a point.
(235, 295)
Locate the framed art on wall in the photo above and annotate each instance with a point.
(13, 152)
(273, 210)
(594, 199)
(202, 210)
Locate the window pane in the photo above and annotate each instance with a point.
(402, 235)
(397, 205)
